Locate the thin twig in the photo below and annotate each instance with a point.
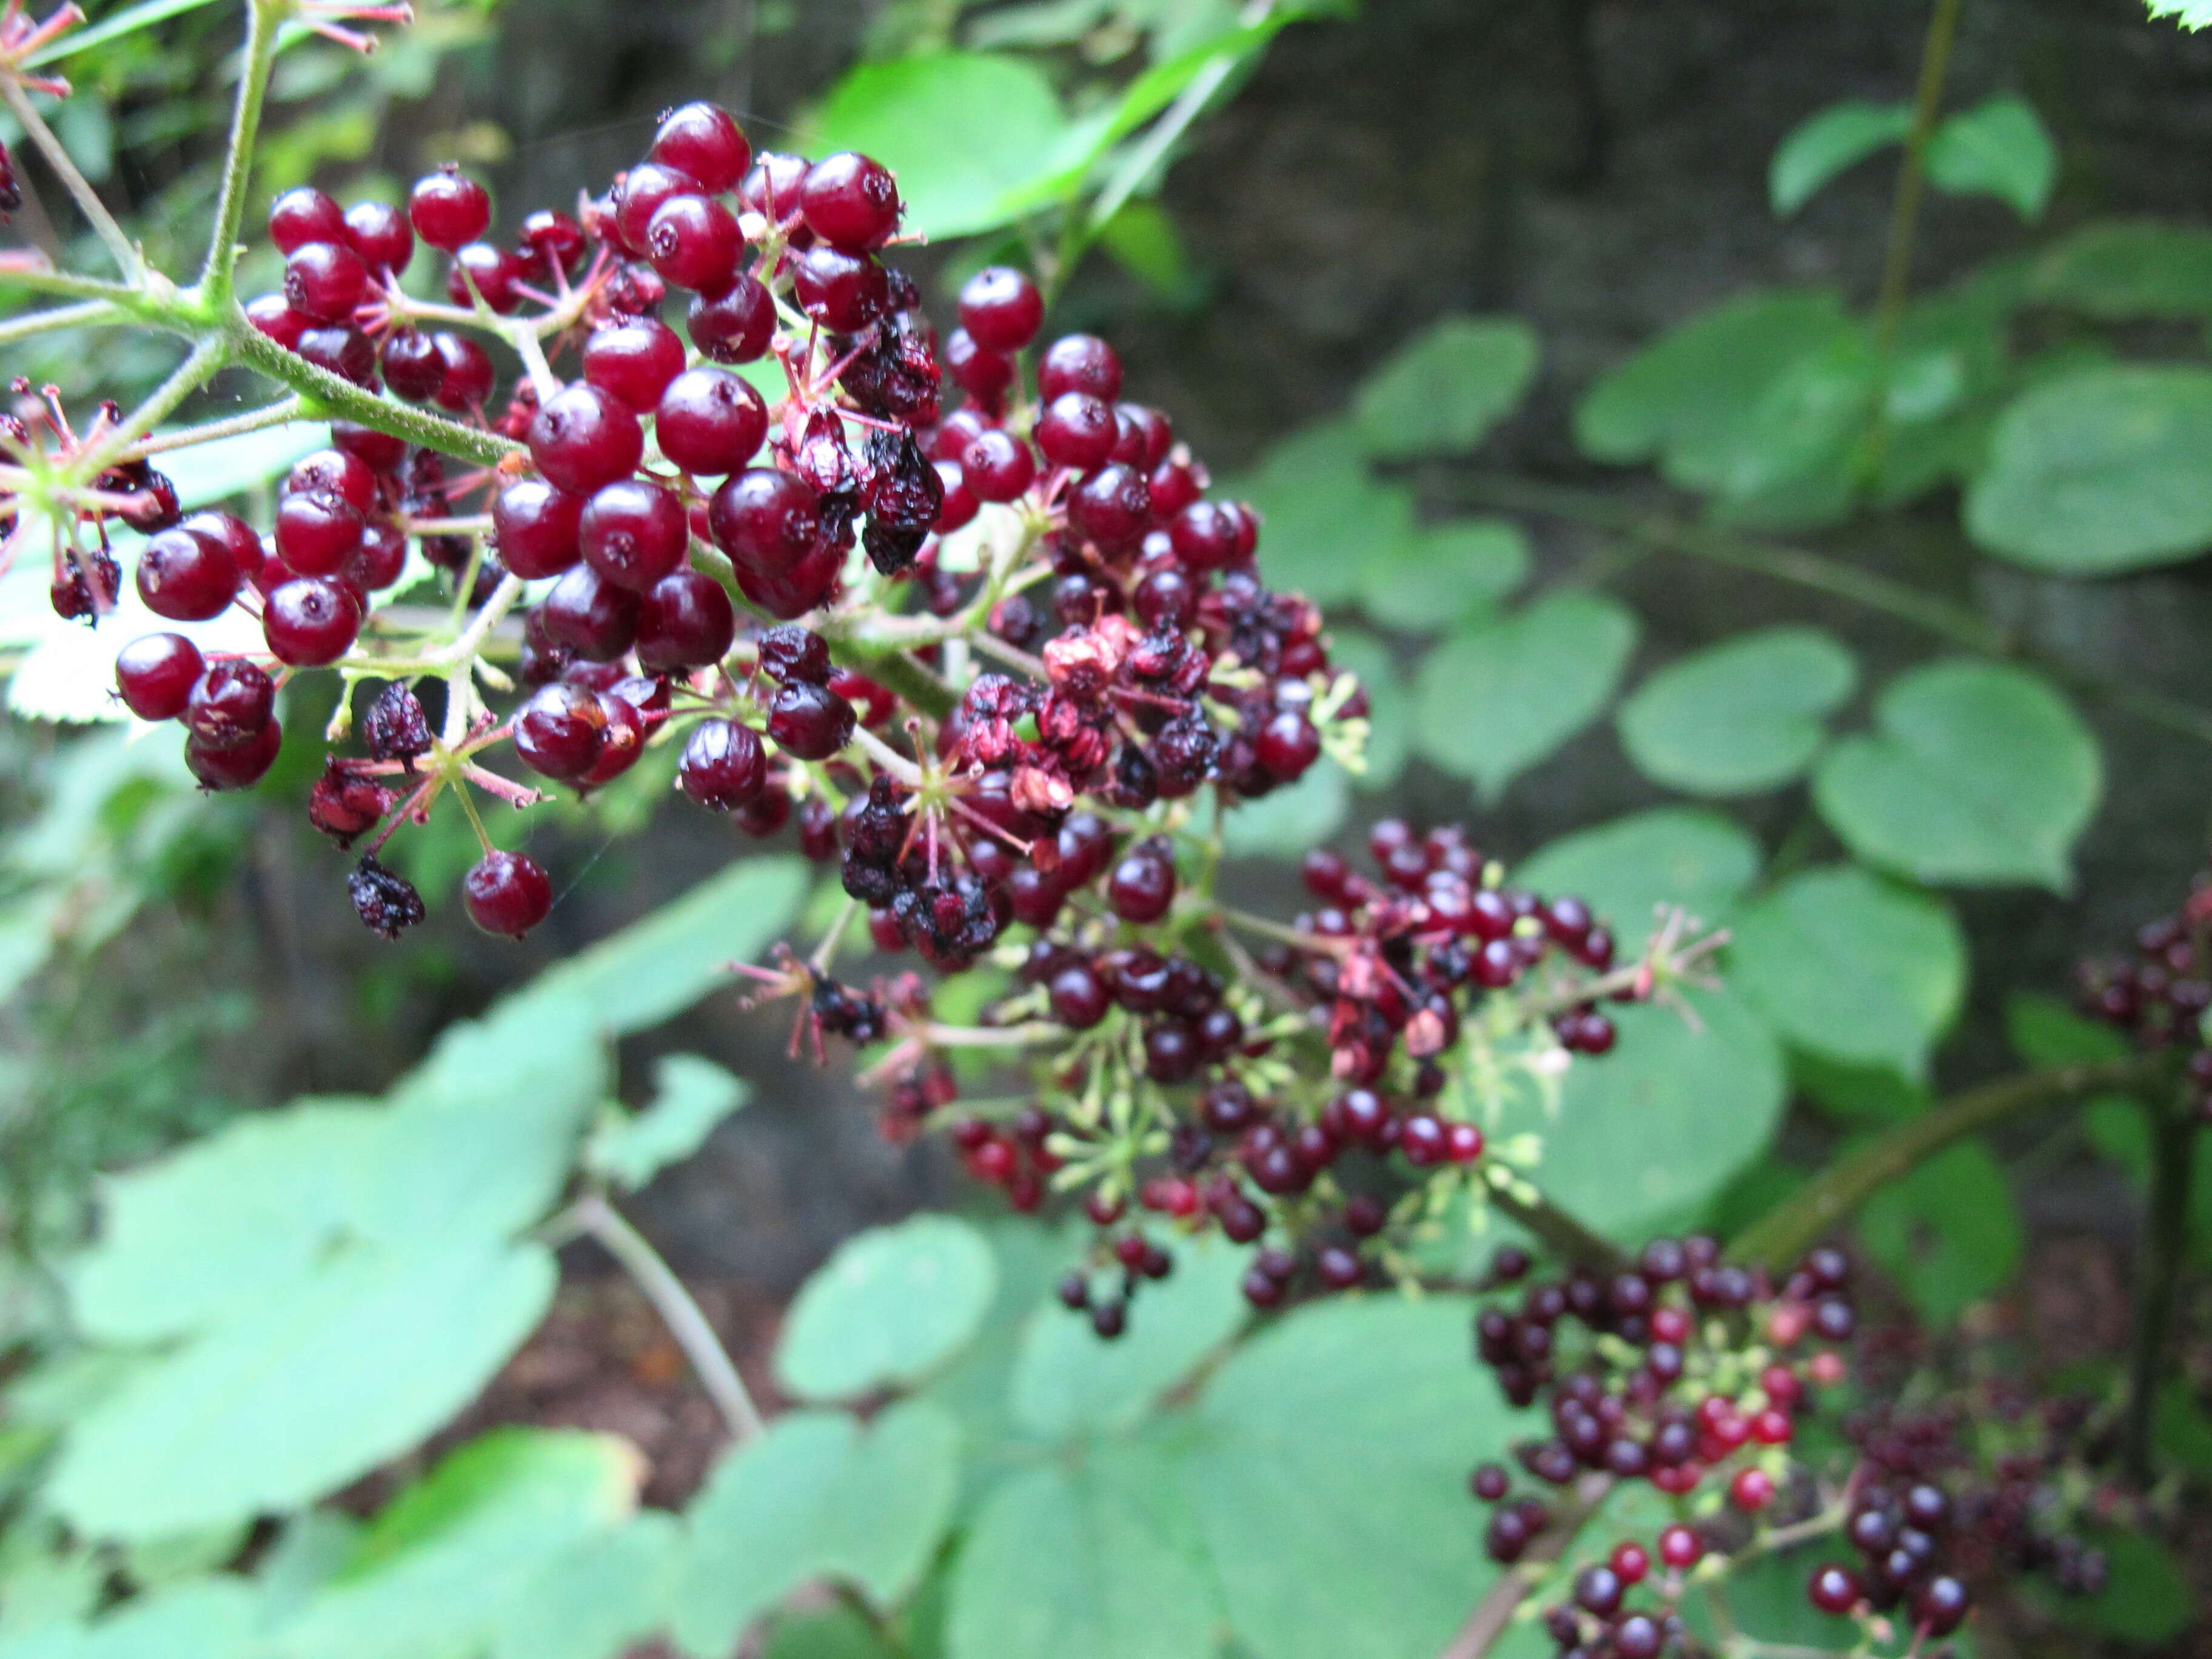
(280, 413)
(95, 211)
(88, 313)
(218, 269)
(593, 1215)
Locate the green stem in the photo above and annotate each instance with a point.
(1784, 1233)
(1578, 1242)
(88, 313)
(217, 272)
(196, 371)
(283, 412)
(593, 1215)
(1494, 1613)
(2165, 1244)
(87, 199)
(337, 399)
(1955, 623)
(70, 285)
(1905, 205)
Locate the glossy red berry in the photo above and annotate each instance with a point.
(997, 466)
(303, 214)
(186, 577)
(274, 317)
(1001, 308)
(310, 621)
(507, 894)
(1079, 1000)
(724, 765)
(1750, 1491)
(1080, 362)
(633, 532)
(412, 367)
(559, 731)
(239, 767)
(1681, 1547)
(808, 721)
(467, 380)
(705, 141)
(685, 621)
(582, 438)
(765, 519)
(380, 233)
(316, 531)
(324, 281)
(1143, 884)
(693, 242)
(983, 373)
(1113, 506)
(553, 237)
(492, 273)
(534, 528)
(734, 327)
(956, 504)
(850, 202)
(1076, 430)
(155, 675)
(633, 359)
(590, 615)
(1941, 1606)
(232, 533)
(1833, 1589)
(230, 704)
(448, 209)
(842, 290)
(710, 422)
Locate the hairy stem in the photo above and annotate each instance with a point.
(335, 397)
(88, 200)
(2158, 1273)
(217, 272)
(189, 376)
(593, 1215)
(35, 279)
(1784, 1233)
(1494, 1613)
(283, 412)
(87, 313)
(1955, 624)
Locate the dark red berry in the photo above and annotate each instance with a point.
(1143, 884)
(1076, 430)
(316, 531)
(724, 765)
(704, 141)
(412, 366)
(710, 422)
(553, 237)
(984, 374)
(590, 615)
(230, 703)
(634, 532)
(1080, 362)
(639, 196)
(534, 528)
(186, 577)
(271, 314)
(303, 214)
(560, 731)
(239, 767)
(1113, 506)
(232, 533)
(467, 379)
(507, 893)
(1833, 1590)
(492, 272)
(310, 621)
(448, 209)
(766, 521)
(842, 291)
(1001, 308)
(634, 359)
(685, 621)
(810, 722)
(850, 202)
(582, 438)
(155, 674)
(997, 466)
(734, 327)
(693, 242)
(380, 233)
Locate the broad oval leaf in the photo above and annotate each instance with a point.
(1852, 967)
(1354, 1543)
(1496, 699)
(690, 1096)
(1626, 870)
(1097, 1558)
(2099, 472)
(1285, 822)
(969, 135)
(1823, 145)
(817, 1496)
(891, 1306)
(1648, 1133)
(1976, 774)
(1442, 391)
(2122, 268)
(1324, 513)
(1999, 148)
(1947, 1231)
(1744, 715)
(1440, 575)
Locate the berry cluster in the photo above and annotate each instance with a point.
(2161, 996)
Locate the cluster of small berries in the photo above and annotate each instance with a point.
(2161, 996)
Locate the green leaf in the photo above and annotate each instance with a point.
(657, 967)
(1831, 142)
(1143, 240)
(1323, 512)
(1441, 391)
(1285, 822)
(1767, 390)
(1947, 1231)
(888, 1308)
(818, 1496)
(1741, 716)
(2120, 270)
(114, 26)
(1440, 576)
(2190, 14)
(316, 1383)
(1389, 712)
(1625, 870)
(969, 135)
(211, 1618)
(1099, 1559)
(839, 1632)
(1976, 774)
(595, 1598)
(1353, 1543)
(1496, 699)
(1852, 967)
(2099, 472)
(691, 1097)
(2146, 1600)
(1067, 1381)
(1999, 148)
(448, 1557)
(2045, 1031)
(1660, 1125)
